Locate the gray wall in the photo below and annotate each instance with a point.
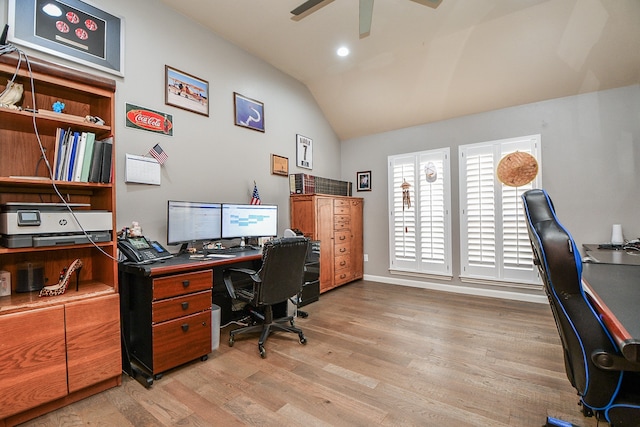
(590, 164)
(210, 159)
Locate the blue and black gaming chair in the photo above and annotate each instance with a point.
(609, 393)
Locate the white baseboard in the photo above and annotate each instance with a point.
(468, 290)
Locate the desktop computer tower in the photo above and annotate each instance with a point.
(311, 287)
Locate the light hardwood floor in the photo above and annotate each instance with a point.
(377, 354)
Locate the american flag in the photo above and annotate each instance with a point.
(255, 197)
(159, 154)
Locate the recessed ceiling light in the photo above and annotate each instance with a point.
(343, 51)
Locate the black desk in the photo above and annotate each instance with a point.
(614, 290)
(611, 256)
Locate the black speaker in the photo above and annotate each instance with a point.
(30, 277)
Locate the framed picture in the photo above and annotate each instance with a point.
(249, 113)
(363, 180)
(304, 152)
(279, 165)
(185, 91)
(69, 29)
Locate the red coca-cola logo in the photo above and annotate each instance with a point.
(149, 120)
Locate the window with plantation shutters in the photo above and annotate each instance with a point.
(419, 217)
(494, 243)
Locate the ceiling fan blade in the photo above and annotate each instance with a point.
(308, 5)
(431, 3)
(366, 14)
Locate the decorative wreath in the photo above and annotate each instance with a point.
(517, 169)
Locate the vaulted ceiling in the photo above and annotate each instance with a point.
(421, 64)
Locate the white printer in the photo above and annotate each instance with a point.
(52, 224)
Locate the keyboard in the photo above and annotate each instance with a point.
(231, 250)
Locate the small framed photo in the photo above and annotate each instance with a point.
(249, 113)
(304, 152)
(69, 29)
(363, 180)
(279, 165)
(185, 91)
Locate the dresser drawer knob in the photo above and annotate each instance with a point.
(185, 327)
(343, 237)
(343, 250)
(343, 263)
(185, 283)
(185, 305)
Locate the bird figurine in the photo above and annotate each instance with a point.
(11, 94)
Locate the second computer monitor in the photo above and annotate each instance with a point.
(244, 220)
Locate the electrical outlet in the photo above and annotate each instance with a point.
(366, 257)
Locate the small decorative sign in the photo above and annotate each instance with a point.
(150, 120)
(279, 165)
(304, 152)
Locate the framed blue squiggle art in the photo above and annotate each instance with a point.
(249, 113)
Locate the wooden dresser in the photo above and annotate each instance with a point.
(336, 221)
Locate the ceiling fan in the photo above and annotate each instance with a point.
(366, 11)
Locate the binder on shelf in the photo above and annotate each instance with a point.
(64, 155)
(96, 162)
(72, 157)
(57, 152)
(107, 148)
(88, 157)
(77, 164)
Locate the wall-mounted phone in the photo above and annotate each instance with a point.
(142, 251)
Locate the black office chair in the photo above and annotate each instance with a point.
(609, 392)
(280, 277)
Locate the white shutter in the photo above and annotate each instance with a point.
(432, 211)
(494, 240)
(403, 218)
(420, 236)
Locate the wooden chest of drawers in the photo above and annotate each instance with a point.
(337, 222)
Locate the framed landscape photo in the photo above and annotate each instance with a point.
(69, 29)
(363, 181)
(304, 152)
(279, 165)
(249, 113)
(185, 91)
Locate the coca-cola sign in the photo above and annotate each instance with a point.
(149, 120)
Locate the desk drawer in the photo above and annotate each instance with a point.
(180, 284)
(173, 308)
(181, 340)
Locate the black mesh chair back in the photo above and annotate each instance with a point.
(282, 271)
(280, 278)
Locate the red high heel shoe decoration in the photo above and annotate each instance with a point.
(61, 287)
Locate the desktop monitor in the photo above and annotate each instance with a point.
(189, 222)
(244, 220)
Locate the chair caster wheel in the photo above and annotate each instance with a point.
(303, 340)
(263, 352)
(231, 341)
